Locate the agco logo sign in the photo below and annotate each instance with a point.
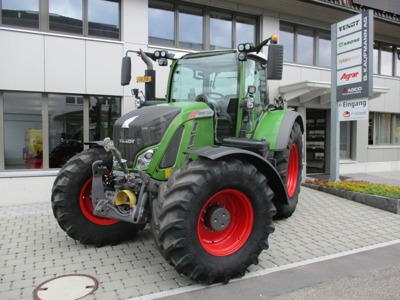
(353, 90)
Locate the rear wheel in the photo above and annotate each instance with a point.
(289, 166)
(72, 203)
(212, 219)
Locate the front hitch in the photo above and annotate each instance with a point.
(105, 207)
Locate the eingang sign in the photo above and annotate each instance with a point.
(354, 50)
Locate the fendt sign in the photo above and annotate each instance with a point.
(354, 46)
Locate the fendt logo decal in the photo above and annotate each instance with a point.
(349, 25)
(126, 141)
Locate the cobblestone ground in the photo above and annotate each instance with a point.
(34, 249)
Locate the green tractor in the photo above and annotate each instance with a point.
(209, 166)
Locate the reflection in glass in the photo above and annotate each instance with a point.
(345, 140)
(24, 13)
(65, 128)
(397, 61)
(286, 38)
(376, 59)
(305, 46)
(191, 28)
(387, 60)
(220, 31)
(103, 112)
(324, 48)
(23, 139)
(396, 122)
(384, 130)
(65, 16)
(103, 18)
(161, 25)
(245, 31)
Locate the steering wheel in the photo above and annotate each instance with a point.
(207, 95)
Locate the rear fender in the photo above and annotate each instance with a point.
(263, 166)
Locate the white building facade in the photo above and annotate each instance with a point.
(60, 72)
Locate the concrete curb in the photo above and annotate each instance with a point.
(384, 203)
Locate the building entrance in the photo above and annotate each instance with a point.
(316, 140)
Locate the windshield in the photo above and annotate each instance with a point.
(214, 76)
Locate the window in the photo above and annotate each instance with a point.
(220, 31)
(66, 18)
(245, 30)
(397, 61)
(99, 18)
(384, 129)
(65, 128)
(286, 38)
(103, 112)
(174, 25)
(161, 24)
(103, 18)
(191, 28)
(324, 50)
(386, 59)
(23, 13)
(25, 135)
(305, 45)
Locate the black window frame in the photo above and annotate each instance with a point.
(44, 21)
(207, 12)
(317, 32)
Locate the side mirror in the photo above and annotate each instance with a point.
(126, 70)
(275, 62)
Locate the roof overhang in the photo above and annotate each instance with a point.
(315, 93)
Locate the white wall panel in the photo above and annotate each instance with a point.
(103, 68)
(21, 61)
(64, 65)
(135, 21)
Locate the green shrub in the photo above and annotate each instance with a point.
(363, 187)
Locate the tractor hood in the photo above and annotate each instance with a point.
(142, 128)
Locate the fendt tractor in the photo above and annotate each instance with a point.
(209, 167)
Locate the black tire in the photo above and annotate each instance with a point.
(204, 187)
(289, 164)
(72, 207)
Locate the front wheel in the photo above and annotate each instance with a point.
(72, 203)
(213, 218)
(289, 166)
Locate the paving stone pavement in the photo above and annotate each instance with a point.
(33, 248)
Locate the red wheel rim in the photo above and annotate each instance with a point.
(85, 202)
(293, 170)
(235, 235)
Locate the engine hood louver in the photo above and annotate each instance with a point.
(141, 128)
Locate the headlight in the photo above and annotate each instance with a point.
(145, 159)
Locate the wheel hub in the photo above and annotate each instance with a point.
(217, 218)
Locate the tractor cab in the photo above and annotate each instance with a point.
(226, 84)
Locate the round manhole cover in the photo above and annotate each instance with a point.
(66, 287)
